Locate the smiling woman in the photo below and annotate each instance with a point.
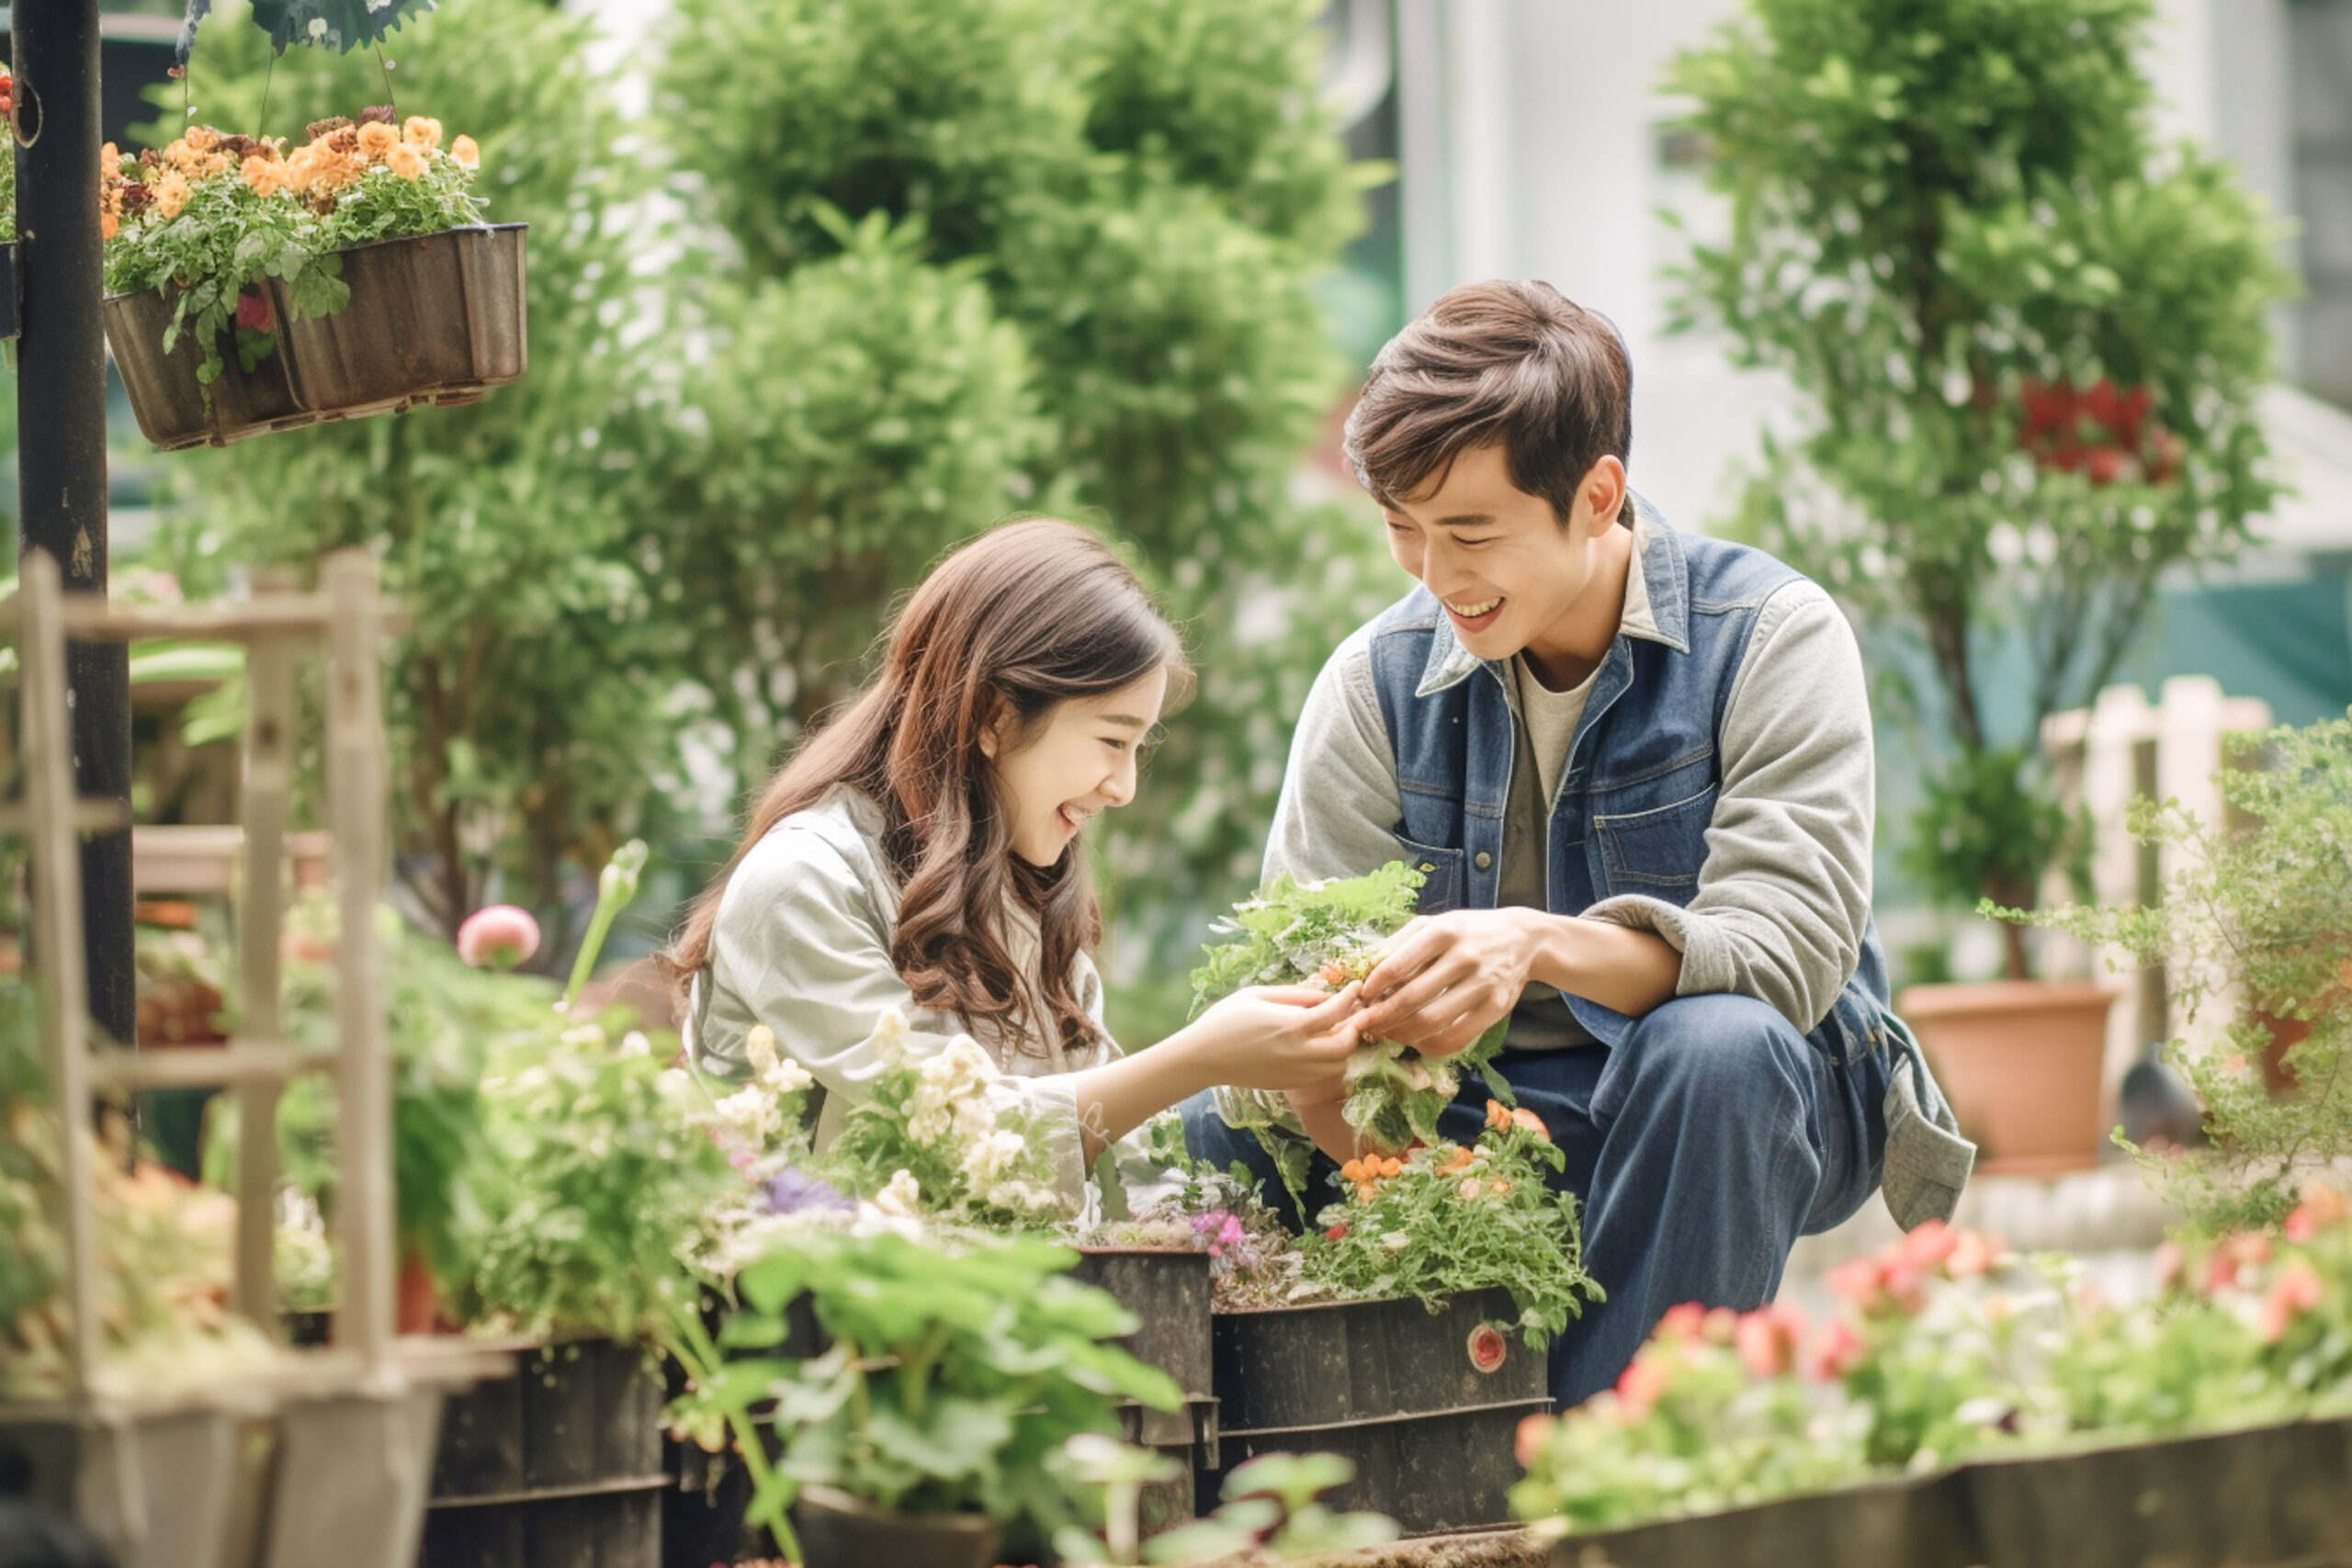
(917, 855)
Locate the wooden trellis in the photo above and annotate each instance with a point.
(366, 1387)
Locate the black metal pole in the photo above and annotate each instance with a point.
(62, 438)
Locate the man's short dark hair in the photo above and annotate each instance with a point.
(1515, 364)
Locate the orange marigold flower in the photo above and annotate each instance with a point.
(266, 175)
(200, 138)
(212, 165)
(1498, 1113)
(421, 133)
(170, 195)
(377, 139)
(405, 162)
(467, 155)
(1526, 1121)
(108, 225)
(1352, 1170)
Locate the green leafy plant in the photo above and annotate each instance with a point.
(2257, 923)
(212, 216)
(2024, 341)
(954, 1378)
(1271, 1510)
(1331, 933)
(1446, 1218)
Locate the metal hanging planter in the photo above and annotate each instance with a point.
(432, 319)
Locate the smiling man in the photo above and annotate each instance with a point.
(1635, 768)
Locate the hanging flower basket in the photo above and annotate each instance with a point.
(433, 319)
(256, 291)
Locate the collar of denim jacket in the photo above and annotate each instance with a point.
(1659, 612)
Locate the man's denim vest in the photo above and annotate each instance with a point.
(1643, 772)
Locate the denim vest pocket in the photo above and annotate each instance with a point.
(1442, 890)
(1659, 850)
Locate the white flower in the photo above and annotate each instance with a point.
(759, 1049)
(931, 1115)
(634, 1044)
(752, 1112)
(1397, 1241)
(318, 27)
(787, 1077)
(994, 1155)
(1024, 1197)
(900, 1196)
(889, 1038)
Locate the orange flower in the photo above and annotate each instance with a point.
(108, 225)
(170, 195)
(1526, 1121)
(377, 139)
(1501, 1188)
(467, 155)
(1352, 1170)
(405, 162)
(201, 138)
(422, 133)
(266, 177)
(1458, 1158)
(1391, 1166)
(1498, 1113)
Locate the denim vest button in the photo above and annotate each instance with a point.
(1482, 860)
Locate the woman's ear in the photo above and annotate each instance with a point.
(995, 727)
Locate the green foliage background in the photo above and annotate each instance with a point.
(866, 279)
(1935, 209)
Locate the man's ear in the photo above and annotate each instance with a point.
(1603, 491)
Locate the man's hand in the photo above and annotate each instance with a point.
(1444, 979)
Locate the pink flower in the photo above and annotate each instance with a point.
(1769, 1340)
(1681, 1322)
(2233, 1257)
(1833, 1351)
(1974, 1252)
(1639, 1386)
(2295, 1292)
(499, 936)
(1860, 1281)
(1720, 1326)
(1929, 1245)
(1527, 1441)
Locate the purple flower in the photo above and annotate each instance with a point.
(793, 1190)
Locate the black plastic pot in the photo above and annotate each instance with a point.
(1168, 1292)
(558, 1466)
(838, 1530)
(1903, 1524)
(1425, 1404)
(2268, 1495)
(701, 1513)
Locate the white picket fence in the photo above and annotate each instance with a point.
(2121, 748)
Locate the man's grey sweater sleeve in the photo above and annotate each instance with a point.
(1784, 893)
(1338, 809)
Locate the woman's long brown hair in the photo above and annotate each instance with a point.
(1025, 616)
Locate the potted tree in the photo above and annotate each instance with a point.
(2255, 920)
(2024, 342)
(955, 1373)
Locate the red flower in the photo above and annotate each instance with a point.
(1336, 1233)
(1639, 1386)
(254, 312)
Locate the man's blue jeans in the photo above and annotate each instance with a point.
(1701, 1146)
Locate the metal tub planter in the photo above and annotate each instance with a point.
(185, 1488)
(433, 319)
(1425, 1403)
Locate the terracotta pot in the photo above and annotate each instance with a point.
(416, 1304)
(838, 1530)
(2022, 1063)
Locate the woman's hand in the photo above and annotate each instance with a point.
(1276, 1037)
